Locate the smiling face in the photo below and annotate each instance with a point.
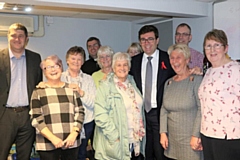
(105, 60)
(133, 51)
(215, 52)
(17, 40)
(121, 69)
(149, 43)
(92, 47)
(52, 71)
(75, 62)
(183, 35)
(178, 62)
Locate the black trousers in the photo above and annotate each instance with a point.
(220, 149)
(15, 127)
(154, 150)
(66, 154)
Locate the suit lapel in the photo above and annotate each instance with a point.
(160, 71)
(139, 73)
(28, 70)
(6, 65)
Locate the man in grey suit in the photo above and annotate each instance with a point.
(19, 74)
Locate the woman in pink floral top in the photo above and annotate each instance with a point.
(219, 95)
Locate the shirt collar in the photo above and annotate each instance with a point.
(154, 55)
(11, 55)
(79, 74)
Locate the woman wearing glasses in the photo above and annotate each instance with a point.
(219, 95)
(57, 114)
(104, 59)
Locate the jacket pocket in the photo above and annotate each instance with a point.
(113, 150)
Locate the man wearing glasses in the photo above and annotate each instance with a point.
(150, 70)
(91, 65)
(183, 35)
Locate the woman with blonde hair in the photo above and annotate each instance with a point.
(134, 49)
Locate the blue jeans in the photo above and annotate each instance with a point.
(89, 129)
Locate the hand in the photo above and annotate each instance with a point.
(75, 87)
(196, 144)
(41, 85)
(196, 70)
(164, 140)
(69, 141)
(57, 142)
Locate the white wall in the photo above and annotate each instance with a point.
(67, 32)
(199, 26)
(227, 18)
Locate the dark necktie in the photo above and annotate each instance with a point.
(148, 85)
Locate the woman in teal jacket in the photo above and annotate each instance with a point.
(119, 115)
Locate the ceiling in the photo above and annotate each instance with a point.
(60, 9)
(77, 12)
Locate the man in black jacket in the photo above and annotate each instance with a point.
(161, 71)
(91, 65)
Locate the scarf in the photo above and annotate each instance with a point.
(138, 127)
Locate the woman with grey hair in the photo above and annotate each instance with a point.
(57, 114)
(104, 59)
(119, 115)
(180, 114)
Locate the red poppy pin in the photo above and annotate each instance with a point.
(163, 66)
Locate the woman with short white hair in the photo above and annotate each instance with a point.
(104, 59)
(119, 115)
(180, 115)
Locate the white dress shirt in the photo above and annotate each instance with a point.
(154, 62)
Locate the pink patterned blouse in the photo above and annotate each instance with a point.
(219, 95)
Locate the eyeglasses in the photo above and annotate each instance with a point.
(105, 57)
(182, 34)
(215, 46)
(150, 40)
(52, 67)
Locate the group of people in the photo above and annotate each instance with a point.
(143, 104)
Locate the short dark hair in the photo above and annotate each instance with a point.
(146, 29)
(18, 26)
(93, 38)
(76, 50)
(184, 25)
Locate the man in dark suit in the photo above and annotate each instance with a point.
(19, 74)
(160, 71)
